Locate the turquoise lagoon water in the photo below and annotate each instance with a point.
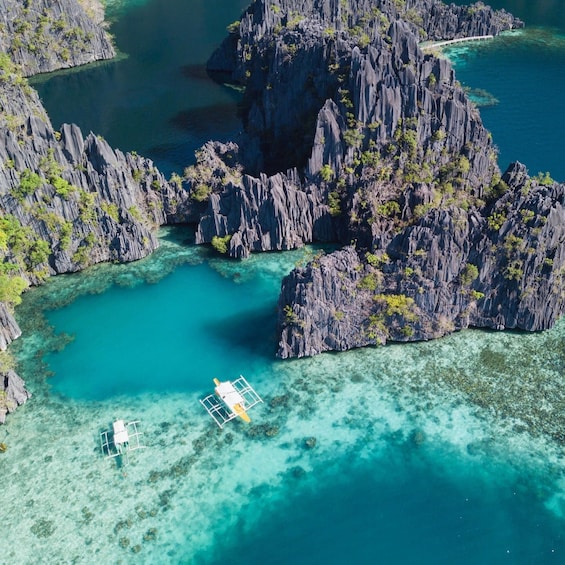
(189, 320)
(430, 453)
(441, 452)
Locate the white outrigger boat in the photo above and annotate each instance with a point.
(121, 440)
(232, 399)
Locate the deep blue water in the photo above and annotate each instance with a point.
(403, 504)
(400, 510)
(526, 74)
(156, 98)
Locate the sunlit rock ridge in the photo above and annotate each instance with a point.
(42, 35)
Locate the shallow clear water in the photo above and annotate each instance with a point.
(432, 453)
(439, 452)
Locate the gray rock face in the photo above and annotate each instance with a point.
(392, 156)
(293, 55)
(12, 393)
(265, 214)
(436, 21)
(88, 202)
(332, 320)
(500, 267)
(9, 329)
(347, 119)
(428, 19)
(43, 35)
(74, 198)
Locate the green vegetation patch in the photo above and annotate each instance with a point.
(11, 288)
(334, 203)
(327, 173)
(398, 305)
(112, 210)
(29, 183)
(221, 244)
(468, 274)
(201, 192)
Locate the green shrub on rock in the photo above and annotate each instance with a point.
(29, 183)
(327, 173)
(11, 289)
(39, 252)
(469, 274)
(221, 244)
(201, 192)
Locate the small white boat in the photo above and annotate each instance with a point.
(231, 398)
(121, 435)
(121, 440)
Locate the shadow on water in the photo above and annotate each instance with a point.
(173, 156)
(207, 120)
(195, 72)
(94, 71)
(253, 332)
(179, 234)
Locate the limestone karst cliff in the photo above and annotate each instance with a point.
(340, 101)
(69, 201)
(382, 151)
(498, 267)
(352, 134)
(45, 35)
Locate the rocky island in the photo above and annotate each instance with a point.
(352, 134)
(42, 36)
(370, 141)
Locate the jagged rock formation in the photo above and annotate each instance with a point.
(69, 201)
(352, 134)
(391, 155)
(292, 56)
(9, 329)
(339, 99)
(498, 267)
(42, 35)
(435, 20)
(12, 393)
(259, 214)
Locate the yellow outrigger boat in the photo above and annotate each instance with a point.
(231, 399)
